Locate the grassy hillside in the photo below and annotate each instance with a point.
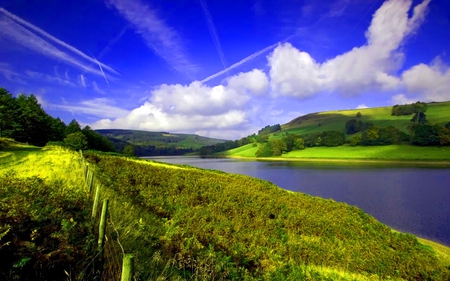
(184, 223)
(158, 139)
(437, 113)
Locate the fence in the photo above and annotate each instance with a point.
(127, 259)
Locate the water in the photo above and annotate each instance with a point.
(408, 198)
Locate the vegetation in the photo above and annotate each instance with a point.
(45, 231)
(408, 109)
(157, 143)
(269, 129)
(373, 127)
(23, 119)
(184, 223)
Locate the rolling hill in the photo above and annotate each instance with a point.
(156, 143)
(436, 113)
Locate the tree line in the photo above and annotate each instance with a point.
(23, 119)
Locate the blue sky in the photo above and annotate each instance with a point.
(221, 68)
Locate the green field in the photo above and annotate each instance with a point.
(184, 223)
(437, 113)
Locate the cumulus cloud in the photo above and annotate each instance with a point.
(371, 66)
(362, 106)
(431, 82)
(196, 107)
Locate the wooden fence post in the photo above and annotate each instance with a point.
(127, 267)
(102, 227)
(91, 182)
(96, 199)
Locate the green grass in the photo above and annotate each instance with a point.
(437, 113)
(214, 225)
(242, 151)
(347, 152)
(389, 152)
(184, 223)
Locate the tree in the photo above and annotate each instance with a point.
(358, 114)
(57, 129)
(97, 141)
(264, 150)
(277, 147)
(73, 127)
(76, 141)
(425, 134)
(419, 118)
(355, 140)
(128, 150)
(332, 138)
(34, 125)
(299, 144)
(8, 112)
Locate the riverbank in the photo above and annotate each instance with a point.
(392, 154)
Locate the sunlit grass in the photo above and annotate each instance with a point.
(346, 152)
(49, 163)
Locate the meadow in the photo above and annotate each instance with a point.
(184, 223)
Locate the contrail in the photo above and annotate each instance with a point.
(52, 38)
(101, 69)
(252, 56)
(213, 32)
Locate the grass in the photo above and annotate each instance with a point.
(347, 152)
(203, 224)
(437, 113)
(184, 223)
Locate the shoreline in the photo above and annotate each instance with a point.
(340, 160)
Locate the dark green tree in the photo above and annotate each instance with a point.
(425, 134)
(76, 141)
(34, 123)
(358, 114)
(97, 141)
(57, 129)
(277, 147)
(8, 112)
(73, 127)
(419, 118)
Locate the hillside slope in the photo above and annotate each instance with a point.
(184, 223)
(437, 113)
(156, 143)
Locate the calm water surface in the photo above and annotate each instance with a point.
(408, 198)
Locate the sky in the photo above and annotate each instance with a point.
(221, 68)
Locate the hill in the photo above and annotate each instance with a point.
(184, 223)
(156, 143)
(437, 113)
(385, 136)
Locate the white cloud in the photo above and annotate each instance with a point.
(82, 80)
(10, 74)
(161, 38)
(402, 99)
(361, 106)
(196, 107)
(48, 78)
(430, 82)
(369, 67)
(254, 81)
(99, 107)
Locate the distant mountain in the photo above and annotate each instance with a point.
(157, 143)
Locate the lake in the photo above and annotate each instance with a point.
(409, 198)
